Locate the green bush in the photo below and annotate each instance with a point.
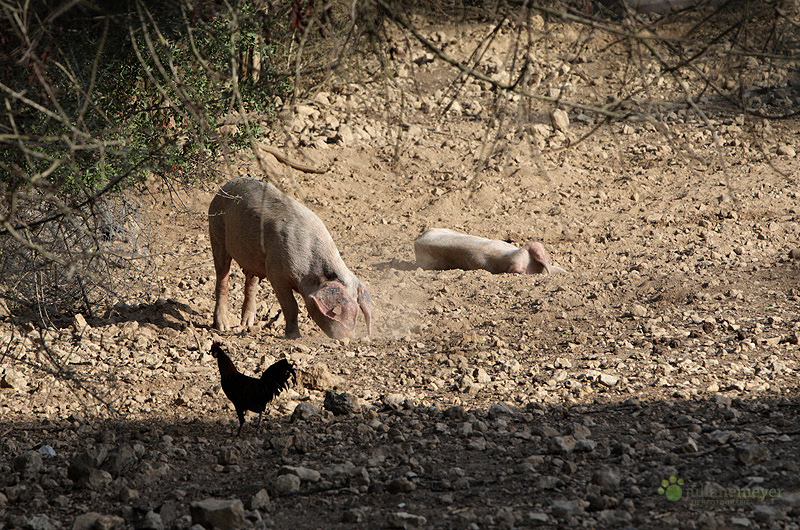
(97, 98)
(104, 93)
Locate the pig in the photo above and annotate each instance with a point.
(442, 248)
(271, 235)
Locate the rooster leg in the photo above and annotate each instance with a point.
(258, 425)
(240, 413)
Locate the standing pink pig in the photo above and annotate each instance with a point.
(271, 235)
(442, 248)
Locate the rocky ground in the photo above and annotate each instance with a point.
(664, 362)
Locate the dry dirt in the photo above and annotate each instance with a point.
(669, 349)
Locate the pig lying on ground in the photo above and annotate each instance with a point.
(271, 235)
(441, 248)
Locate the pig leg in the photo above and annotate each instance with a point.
(289, 307)
(222, 266)
(250, 291)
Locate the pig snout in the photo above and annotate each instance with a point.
(365, 303)
(335, 312)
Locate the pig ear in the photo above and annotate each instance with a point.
(365, 303)
(538, 258)
(333, 302)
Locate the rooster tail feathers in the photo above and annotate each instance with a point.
(281, 370)
(276, 377)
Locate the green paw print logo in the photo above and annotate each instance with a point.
(671, 488)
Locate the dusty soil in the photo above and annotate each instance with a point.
(669, 349)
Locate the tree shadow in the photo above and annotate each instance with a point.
(653, 464)
(163, 313)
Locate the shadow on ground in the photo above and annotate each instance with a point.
(593, 466)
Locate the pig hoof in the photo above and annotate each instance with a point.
(292, 334)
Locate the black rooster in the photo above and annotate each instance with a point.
(249, 393)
